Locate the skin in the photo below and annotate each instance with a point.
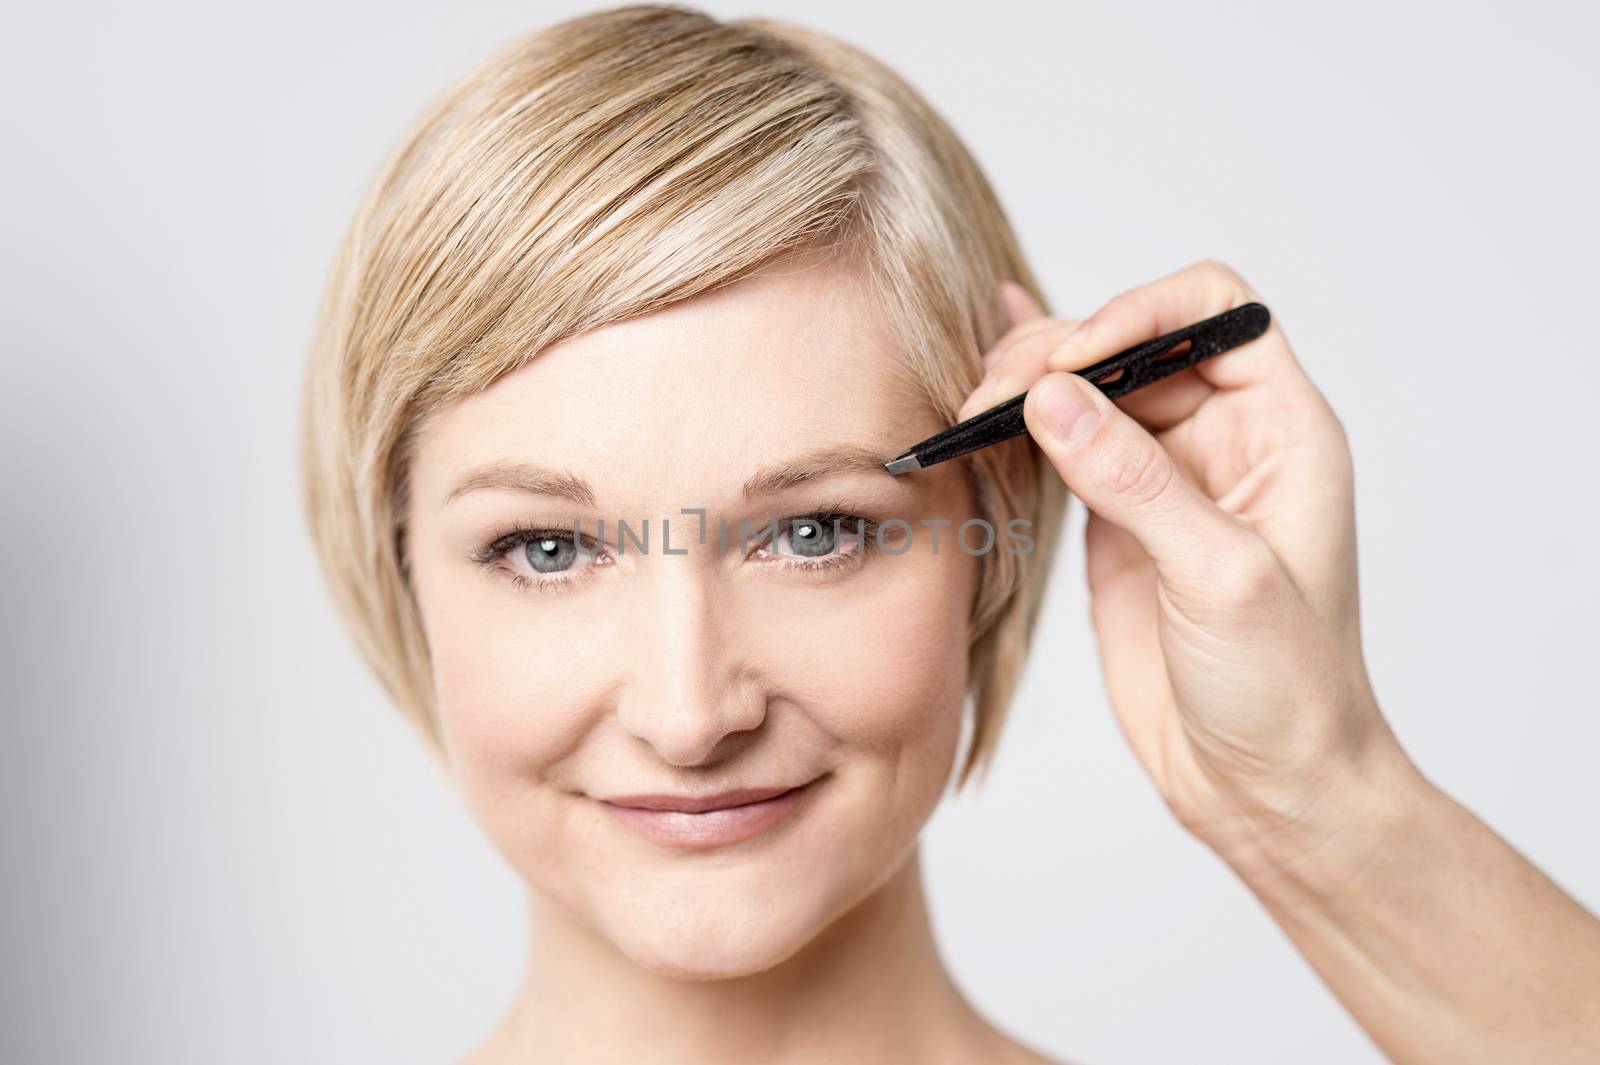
(1221, 559)
(709, 670)
(1220, 555)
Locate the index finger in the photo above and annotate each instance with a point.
(1187, 296)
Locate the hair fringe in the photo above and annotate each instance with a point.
(610, 165)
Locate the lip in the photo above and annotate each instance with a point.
(702, 822)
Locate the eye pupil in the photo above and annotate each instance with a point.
(809, 538)
(549, 554)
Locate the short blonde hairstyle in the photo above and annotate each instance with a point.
(600, 169)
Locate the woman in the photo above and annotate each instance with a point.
(608, 367)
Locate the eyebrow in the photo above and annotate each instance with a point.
(543, 480)
(844, 458)
(524, 477)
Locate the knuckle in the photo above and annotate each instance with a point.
(1185, 811)
(1140, 473)
(1224, 277)
(1216, 268)
(1340, 432)
(1327, 440)
(1338, 450)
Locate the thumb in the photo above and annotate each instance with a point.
(1124, 475)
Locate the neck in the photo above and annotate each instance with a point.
(871, 987)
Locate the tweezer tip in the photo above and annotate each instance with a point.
(903, 464)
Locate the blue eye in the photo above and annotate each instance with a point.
(540, 558)
(550, 554)
(547, 552)
(811, 538)
(546, 559)
(828, 536)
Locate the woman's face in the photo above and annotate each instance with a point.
(568, 676)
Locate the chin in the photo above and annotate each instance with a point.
(699, 929)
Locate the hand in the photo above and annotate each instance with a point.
(1221, 558)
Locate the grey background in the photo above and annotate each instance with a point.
(221, 844)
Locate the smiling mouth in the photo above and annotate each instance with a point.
(711, 821)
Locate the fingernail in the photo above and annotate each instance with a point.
(1069, 412)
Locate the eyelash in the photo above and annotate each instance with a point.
(510, 539)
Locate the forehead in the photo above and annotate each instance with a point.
(675, 408)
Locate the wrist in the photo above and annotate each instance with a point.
(1308, 846)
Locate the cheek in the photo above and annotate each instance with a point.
(513, 683)
(882, 666)
(877, 662)
(517, 696)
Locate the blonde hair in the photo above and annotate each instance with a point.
(602, 168)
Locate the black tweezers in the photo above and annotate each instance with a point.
(1145, 364)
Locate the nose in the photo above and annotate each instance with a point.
(691, 686)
